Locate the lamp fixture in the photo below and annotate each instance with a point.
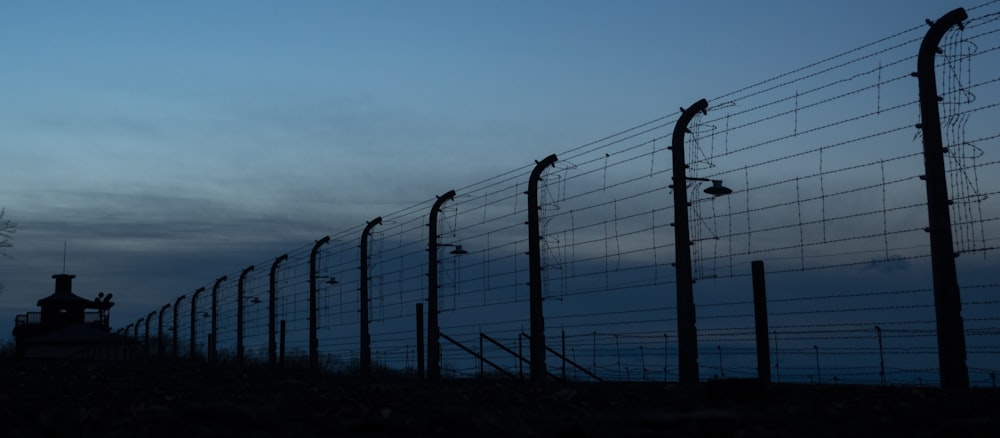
(718, 189)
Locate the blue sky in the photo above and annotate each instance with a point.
(180, 140)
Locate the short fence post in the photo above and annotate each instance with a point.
(281, 357)
(564, 354)
(211, 352)
(760, 322)
(420, 341)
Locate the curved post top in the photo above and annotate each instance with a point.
(441, 200)
(540, 166)
(929, 45)
(321, 241)
(246, 271)
(315, 248)
(371, 224)
(177, 302)
(164, 309)
(219, 281)
(277, 260)
(686, 115)
(196, 293)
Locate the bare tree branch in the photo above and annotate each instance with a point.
(7, 229)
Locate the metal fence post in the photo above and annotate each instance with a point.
(433, 330)
(313, 323)
(192, 348)
(213, 337)
(536, 345)
(947, 299)
(240, 295)
(366, 348)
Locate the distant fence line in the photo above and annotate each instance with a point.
(826, 180)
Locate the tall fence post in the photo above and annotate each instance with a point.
(537, 342)
(140, 321)
(177, 329)
(240, 295)
(947, 298)
(272, 292)
(433, 330)
(213, 337)
(160, 347)
(313, 323)
(687, 333)
(149, 318)
(760, 322)
(193, 342)
(366, 346)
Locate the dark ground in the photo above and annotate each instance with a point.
(145, 399)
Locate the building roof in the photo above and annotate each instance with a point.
(63, 297)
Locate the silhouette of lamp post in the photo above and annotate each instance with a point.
(686, 331)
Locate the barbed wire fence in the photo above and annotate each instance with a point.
(825, 167)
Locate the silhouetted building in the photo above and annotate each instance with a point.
(66, 325)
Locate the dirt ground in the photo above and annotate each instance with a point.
(85, 399)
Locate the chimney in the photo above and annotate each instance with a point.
(64, 283)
